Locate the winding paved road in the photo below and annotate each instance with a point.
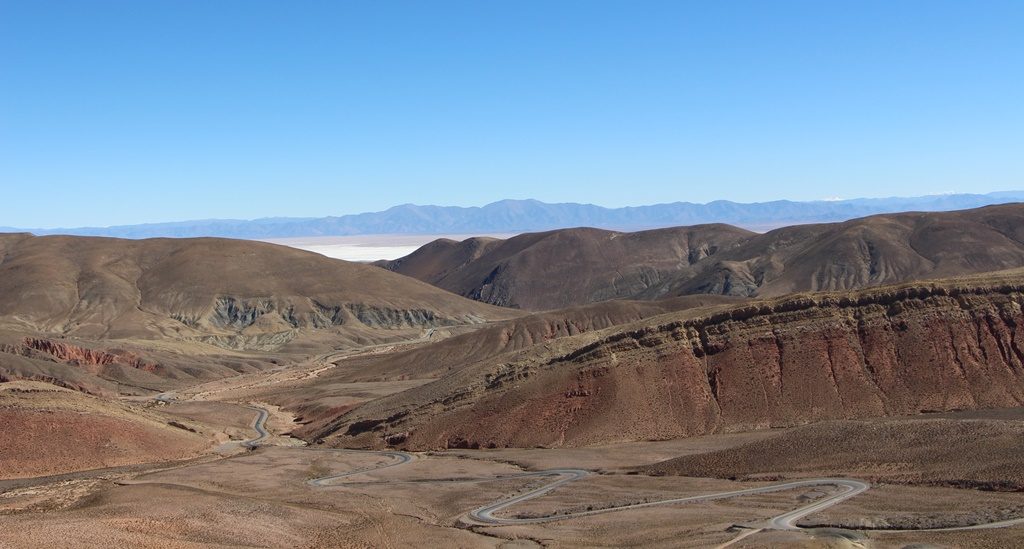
(786, 521)
(259, 425)
(485, 515)
(401, 458)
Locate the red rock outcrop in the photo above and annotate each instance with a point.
(884, 352)
(61, 351)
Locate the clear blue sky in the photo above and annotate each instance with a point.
(146, 110)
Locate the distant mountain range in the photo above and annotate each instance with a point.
(509, 216)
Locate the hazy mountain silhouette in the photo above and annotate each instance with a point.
(532, 215)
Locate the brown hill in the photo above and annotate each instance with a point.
(434, 261)
(556, 269)
(515, 335)
(105, 287)
(576, 266)
(315, 402)
(880, 352)
(109, 367)
(872, 251)
(80, 310)
(48, 430)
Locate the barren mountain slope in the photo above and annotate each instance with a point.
(110, 367)
(315, 401)
(434, 261)
(123, 288)
(84, 311)
(514, 335)
(577, 266)
(887, 351)
(48, 430)
(556, 269)
(883, 249)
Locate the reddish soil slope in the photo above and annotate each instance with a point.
(47, 430)
(312, 401)
(888, 351)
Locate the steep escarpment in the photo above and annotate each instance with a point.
(510, 336)
(74, 354)
(105, 367)
(558, 269)
(889, 351)
(313, 403)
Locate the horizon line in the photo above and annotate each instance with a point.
(828, 200)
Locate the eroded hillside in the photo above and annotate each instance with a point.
(103, 314)
(102, 287)
(899, 350)
(317, 400)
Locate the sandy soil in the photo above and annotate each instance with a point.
(261, 499)
(969, 453)
(47, 431)
(892, 506)
(611, 456)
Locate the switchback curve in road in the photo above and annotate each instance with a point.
(484, 515)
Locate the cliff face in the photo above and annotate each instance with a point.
(455, 353)
(314, 404)
(91, 359)
(775, 363)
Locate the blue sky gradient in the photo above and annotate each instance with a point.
(129, 112)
